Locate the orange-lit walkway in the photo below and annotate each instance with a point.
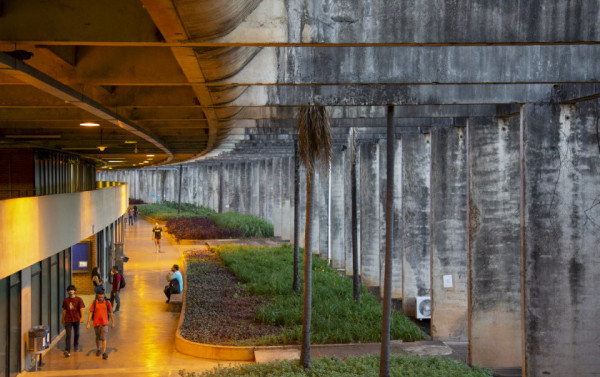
(142, 342)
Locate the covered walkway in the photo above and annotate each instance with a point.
(142, 342)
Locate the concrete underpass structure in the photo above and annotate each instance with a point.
(496, 119)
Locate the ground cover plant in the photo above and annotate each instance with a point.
(200, 228)
(213, 226)
(218, 309)
(336, 317)
(363, 366)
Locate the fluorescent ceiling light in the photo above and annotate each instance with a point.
(116, 161)
(130, 142)
(89, 124)
(149, 155)
(32, 136)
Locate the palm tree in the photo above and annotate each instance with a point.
(384, 361)
(354, 194)
(314, 137)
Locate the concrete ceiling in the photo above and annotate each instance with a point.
(197, 79)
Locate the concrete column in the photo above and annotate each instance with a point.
(316, 217)
(369, 213)
(398, 225)
(243, 194)
(348, 208)
(255, 188)
(416, 261)
(276, 196)
(561, 234)
(302, 204)
(337, 209)
(203, 185)
(449, 234)
(323, 212)
(381, 204)
(236, 190)
(287, 199)
(494, 251)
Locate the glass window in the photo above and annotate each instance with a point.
(45, 288)
(36, 294)
(54, 318)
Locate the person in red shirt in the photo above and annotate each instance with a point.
(72, 315)
(100, 310)
(116, 288)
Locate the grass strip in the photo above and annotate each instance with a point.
(363, 366)
(336, 317)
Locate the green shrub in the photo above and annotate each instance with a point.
(363, 366)
(336, 318)
(251, 226)
(168, 210)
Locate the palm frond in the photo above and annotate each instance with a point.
(314, 137)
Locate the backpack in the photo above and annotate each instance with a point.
(94, 311)
(122, 282)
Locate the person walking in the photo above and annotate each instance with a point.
(97, 279)
(135, 213)
(130, 214)
(100, 311)
(116, 288)
(175, 284)
(72, 315)
(156, 236)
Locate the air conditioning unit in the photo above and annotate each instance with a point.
(423, 307)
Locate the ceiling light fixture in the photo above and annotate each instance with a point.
(89, 124)
(32, 136)
(102, 147)
(130, 142)
(149, 155)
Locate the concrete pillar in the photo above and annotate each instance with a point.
(287, 199)
(398, 225)
(337, 209)
(449, 234)
(302, 203)
(243, 194)
(276, 196)
(255, 188)
(236, 189)
(348, 208)
(369, 213)
(381, 204)
(323, 213)
(560, 227)
(316, 215)
(415, 219)
(494, 242)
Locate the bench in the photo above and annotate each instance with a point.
(175, 302)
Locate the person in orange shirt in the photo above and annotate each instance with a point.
(100, 310)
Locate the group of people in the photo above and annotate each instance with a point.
(101, 311)
(132, 214)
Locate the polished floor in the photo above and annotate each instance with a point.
(142, 342)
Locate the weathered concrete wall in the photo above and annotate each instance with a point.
(426, 21)
(348, 207)
(369, 213)
(287, 199)
(449, 234)
(494, 243)
(416, 252)
(561, 217)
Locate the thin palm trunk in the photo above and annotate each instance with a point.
(314, 139)
(296, 283)
(384, 363)
(354, 194)
(307, 298)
